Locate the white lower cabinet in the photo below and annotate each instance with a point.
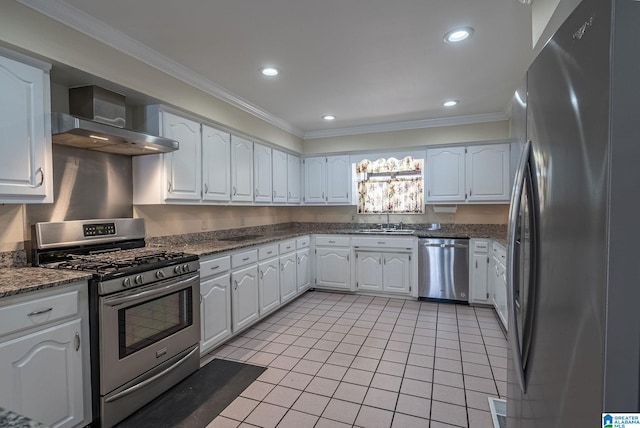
(387, 272)
(269, 285)
(44, 356)
(244, 297)
(303, 270)
(215, 312)
(499, 283)
(479, 280)
(288, 286)
(333, 264)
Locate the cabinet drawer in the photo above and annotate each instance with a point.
(267, 251)
(303, 242)
(480, 246)
(382, 242)
(333, 241)
(287, 246)
(244, 258)
(38, 311)
(214, 266)
(499, 252)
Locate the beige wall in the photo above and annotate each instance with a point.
(490, 131)
(163, 220)
(22, 27)
(12, 218)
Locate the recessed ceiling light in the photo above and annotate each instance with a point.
(269, 71)
(450, 103)
(458, 34)
(329, 117)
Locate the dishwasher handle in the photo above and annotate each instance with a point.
(445, 245)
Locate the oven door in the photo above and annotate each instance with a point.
(143, 327)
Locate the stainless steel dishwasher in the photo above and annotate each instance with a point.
(443, 269)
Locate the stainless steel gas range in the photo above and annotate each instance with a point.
(144, 309)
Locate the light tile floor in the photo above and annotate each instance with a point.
(339, 360)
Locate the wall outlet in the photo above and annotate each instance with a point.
(203, 224)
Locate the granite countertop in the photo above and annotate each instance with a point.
(19, 280)
(10, 419)
(209, 243)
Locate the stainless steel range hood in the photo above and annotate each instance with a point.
(97, 123)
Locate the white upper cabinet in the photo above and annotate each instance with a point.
(241, 169)
(338, 180)
(262, 159)
(25, 133)
(216, 164)
(280, 166)
(327, 180)
(488, 173)
(293, 179)
(183, 166)
(445, 175)
(478, 173)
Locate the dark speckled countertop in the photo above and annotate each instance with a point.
(209, 243)
(10, 419)
(16, 279)
(27, 279)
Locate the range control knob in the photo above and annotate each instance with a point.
(139, 279)
(159, 274)
(126, 282)
(177, 269)
(185, 268)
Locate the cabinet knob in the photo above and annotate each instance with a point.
(77, 340)
(206, 188)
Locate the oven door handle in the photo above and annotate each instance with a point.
(150, 293)
(152, 378)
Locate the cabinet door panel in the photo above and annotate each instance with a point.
(338, 180)
(488, 173)
(303, 270)
(216, 164)
(369, 271)
(396, 272)
(479, 281)
(215, 312)
(42, 375)
(25, 134)
(445, 175)
(333, 268)
(268, 286)
(244, 297)
(241, 169)
(280, 177)
(315, 170)
(262, 173)
(293, 179)
(182, 167)
(288, 269)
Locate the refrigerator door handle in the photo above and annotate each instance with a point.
(514, 210)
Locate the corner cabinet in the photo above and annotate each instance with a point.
(333, 262)
(25, 124)
(44, 356)
(478, 173)
(327, 180)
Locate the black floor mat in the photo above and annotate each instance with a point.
(198, 399)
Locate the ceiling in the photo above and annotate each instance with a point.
(368, 62)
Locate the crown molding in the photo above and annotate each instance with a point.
(88, 25)
(403, 126)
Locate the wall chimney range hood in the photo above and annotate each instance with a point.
(97, 122)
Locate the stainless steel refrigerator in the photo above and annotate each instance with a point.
(574, 226)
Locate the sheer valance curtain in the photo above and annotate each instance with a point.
(390, 186)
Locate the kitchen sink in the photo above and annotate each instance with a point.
(240, 238)
(378, 231)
